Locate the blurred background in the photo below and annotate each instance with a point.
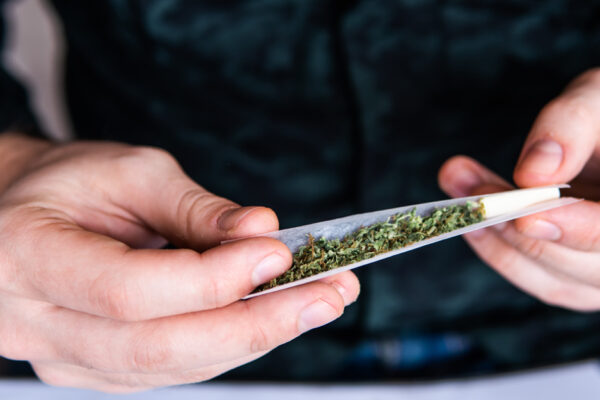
(34, 54)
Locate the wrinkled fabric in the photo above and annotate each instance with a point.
(321, 108)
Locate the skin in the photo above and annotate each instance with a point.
(91, 301)
(554, 255)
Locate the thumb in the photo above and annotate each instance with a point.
(462, 176)
(164, 198)
(563, 136)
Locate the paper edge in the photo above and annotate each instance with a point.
(390, 211)
(533, 209)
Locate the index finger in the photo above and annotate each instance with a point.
(575, 226)
(64, 265)
(564, 135)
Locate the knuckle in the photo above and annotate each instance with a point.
(150, 352)
(259, 339)
(196, 207)
(328, 294)
(533, 248)
(190, 203)
(196, 204)
(155, 154)
(144, 157)
(213, 292)
(115, 299)
(350, 283)
(216, 293)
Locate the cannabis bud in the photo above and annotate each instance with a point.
(400, 230)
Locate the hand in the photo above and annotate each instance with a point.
(88, 298)
(554, 255)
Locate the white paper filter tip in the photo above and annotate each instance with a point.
(507, 202)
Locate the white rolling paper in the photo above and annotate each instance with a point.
(499, 207)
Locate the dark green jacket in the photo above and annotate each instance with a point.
(323, 108)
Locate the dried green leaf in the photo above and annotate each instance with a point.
(400, 230)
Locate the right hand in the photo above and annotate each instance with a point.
(87, 296)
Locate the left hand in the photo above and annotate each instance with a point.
(554, 255)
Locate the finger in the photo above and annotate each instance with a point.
(63, 265)
(572, 225)
(566, 263)
(153, 187)
(529, 276)
(74, 376)
(119, 225)
(346, 283)
(195, 340)
(460, 176)
(563, 137)
(23, 341)
(20, 340)
(575, 226)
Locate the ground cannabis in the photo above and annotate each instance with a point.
(400, 230)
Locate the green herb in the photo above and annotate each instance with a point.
(400, 230)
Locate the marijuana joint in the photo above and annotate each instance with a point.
(400, 230)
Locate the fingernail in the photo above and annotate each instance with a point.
(464, 182)
(543, 230)
(270, 267)
(316, 314)
(232, 218)
(543, 158)
(343, 292)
